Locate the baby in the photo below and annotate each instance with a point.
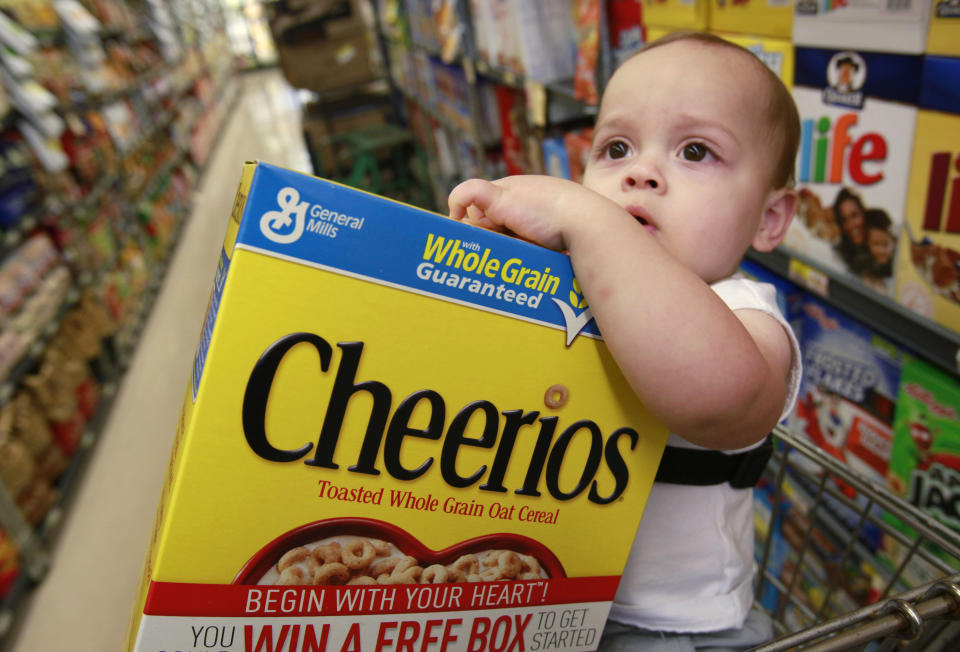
(691, 165)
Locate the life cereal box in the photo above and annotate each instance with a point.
(402, 432)
(858, 111)
(928, 262)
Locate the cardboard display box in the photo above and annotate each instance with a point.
(400, 429)
(324, 120)
(319, 63)
(323, 45)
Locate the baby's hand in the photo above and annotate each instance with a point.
(529, 206)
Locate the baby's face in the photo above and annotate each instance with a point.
(680, 144)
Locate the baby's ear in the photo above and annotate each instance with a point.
(780, 206)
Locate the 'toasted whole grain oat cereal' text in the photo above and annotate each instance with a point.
(402, 432)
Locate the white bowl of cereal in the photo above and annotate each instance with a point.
(358, 551)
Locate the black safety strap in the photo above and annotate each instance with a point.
(700, 467)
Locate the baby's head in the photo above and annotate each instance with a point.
(696, 138)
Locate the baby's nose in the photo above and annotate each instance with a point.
(644, 174)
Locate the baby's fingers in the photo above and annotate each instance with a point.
(477, 193)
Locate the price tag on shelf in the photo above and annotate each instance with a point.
(810, 278)
(536, 103)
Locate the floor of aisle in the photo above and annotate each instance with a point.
(84, 602)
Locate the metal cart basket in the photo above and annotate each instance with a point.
(829, 541)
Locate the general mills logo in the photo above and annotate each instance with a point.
(285, 225)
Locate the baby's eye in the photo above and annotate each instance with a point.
(695, 152)
(617, 149)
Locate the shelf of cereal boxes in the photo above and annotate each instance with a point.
(824, 574)
(551, 93)
(929, 340)
(125, 340)
(108, 366)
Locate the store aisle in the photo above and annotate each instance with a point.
(84, 603)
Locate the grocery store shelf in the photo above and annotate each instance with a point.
(67, 483)
(925, 338)
(28, 362)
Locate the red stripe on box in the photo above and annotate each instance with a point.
(185, 599)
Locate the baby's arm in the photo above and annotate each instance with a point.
(716, 377)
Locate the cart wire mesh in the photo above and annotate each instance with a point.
(845, 564)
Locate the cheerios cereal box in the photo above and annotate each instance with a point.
(928, 262)
(402, 432)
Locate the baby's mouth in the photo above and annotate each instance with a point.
(638, 214)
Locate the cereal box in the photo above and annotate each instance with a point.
(676, 14)
(925, 457)
(402, 432)
(925, 460)
(758, 17)
(944, 36)
(888, 25)
(857, 112)
(851, 378)
(928, 276)
(846, 406)
(775, 53)
(625, 24)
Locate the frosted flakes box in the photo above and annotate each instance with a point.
(757, 17)
(857, 112)
(401, 431)
(847, 396)
(928, 262)
(890, 25)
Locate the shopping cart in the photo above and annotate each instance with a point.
(830, 541)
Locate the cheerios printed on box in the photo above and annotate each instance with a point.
(401, 431)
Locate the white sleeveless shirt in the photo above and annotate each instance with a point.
(691, 567)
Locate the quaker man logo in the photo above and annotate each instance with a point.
(846, 75)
